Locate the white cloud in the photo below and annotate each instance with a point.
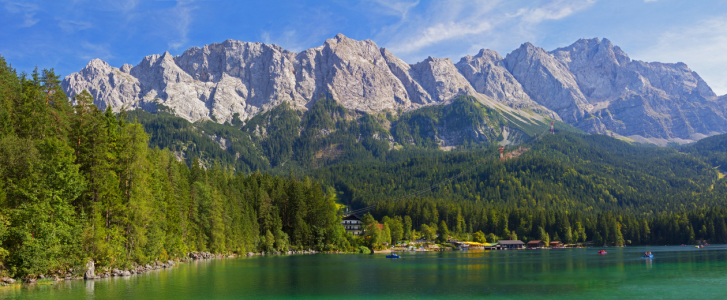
(445, 23)
(302, 33)
(91, 51)
(124, 5)
(28, 10)
(398, 8)
(441, 32)
(71, 26)
(288, 39)
(552, 11)
(180, 17)
(702, 46)
(265, 37)
(439, 22)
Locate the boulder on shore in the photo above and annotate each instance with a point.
(90, 270)
(7, 280)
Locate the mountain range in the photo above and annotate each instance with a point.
(591, 85)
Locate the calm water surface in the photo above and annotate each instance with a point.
(674, 273)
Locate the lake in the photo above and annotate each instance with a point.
(674, 273)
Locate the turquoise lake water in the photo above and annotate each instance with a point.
(674, 273)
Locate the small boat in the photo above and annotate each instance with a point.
(649, 256)
(393, 255)
(602, 252)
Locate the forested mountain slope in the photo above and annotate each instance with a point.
(712, 150)
(560, 172)
(371, 158)
(284, 139)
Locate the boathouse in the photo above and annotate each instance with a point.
(493, 246)
(556, 244)
(352, 224)
(512, 244)
(536, 244)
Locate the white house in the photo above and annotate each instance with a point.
(352, 224)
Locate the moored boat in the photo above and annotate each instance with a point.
(393, 255)
(602, 252)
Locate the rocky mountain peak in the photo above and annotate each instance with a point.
(96, 63)
(404, 73)
(487, 74)
(591, 84)
(547, 81)
(126, 68)
(441, 79)
(486, 55)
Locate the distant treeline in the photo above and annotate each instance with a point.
(463, 219)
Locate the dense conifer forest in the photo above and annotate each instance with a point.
(78, 183)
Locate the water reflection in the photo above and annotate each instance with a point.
(555, 273)
(89, 289)
(649, 263)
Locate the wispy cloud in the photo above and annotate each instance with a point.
(27, 10)
(394, 7)
(552, 11)
(289, 39)
(702, 46)
(124, 5)
(472, 22)
(180, 18)
(71, 26)
(441, 32)
(91, 51)
(302, 33)
(437, 23)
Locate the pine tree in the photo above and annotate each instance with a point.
(408, 228)
(442, 232)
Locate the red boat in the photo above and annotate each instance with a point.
(602, 252)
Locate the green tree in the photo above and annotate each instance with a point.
(442, 232)
(408, 234)
(480, 237)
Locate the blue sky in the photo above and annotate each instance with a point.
(65, 35)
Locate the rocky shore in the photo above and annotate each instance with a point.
(309, 251)
(92, 273)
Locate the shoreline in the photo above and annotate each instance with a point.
(90, 273)
(136, 269)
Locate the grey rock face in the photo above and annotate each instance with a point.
(358, 77)
(441, 79)
(405, 74)
(590, 84)
(108, 85)
(487, 74)
(219, 81)
(653, 102)
(547, 81)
